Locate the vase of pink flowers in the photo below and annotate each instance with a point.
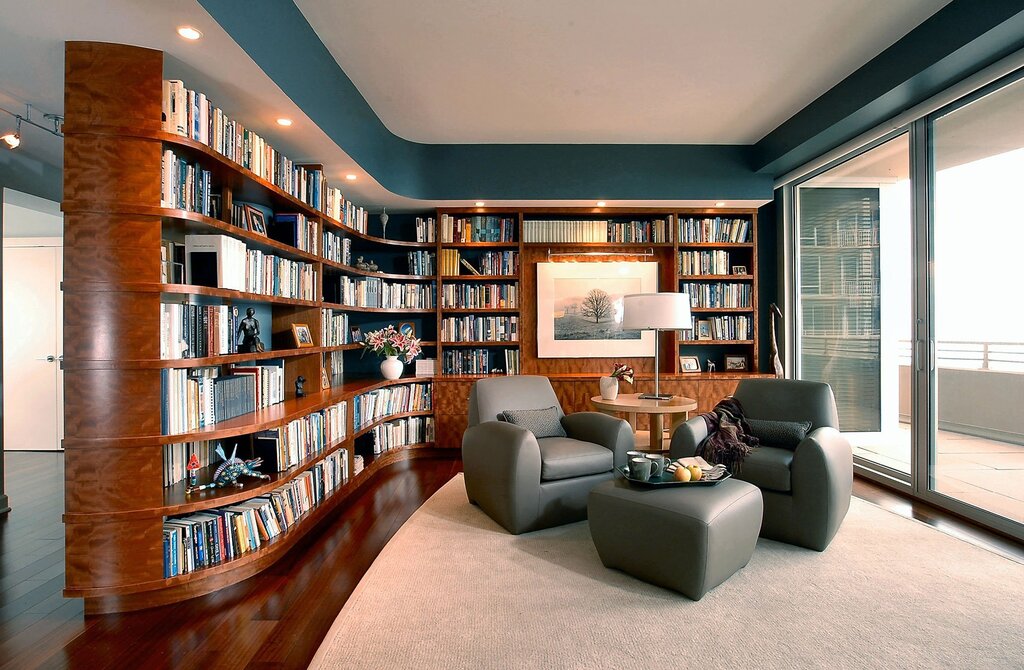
(395, 347)
(610, 384)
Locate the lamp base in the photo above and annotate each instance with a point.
(652, 396)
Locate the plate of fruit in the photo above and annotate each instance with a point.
(694, 471)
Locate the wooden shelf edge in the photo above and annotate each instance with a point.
(378, 310)
(161, 363)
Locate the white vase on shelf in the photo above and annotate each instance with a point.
(609, 388)
(391, 367)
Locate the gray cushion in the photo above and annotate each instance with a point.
(767, 468)
(545, 422)
(564, 457)
(492, 395)
(781, 434)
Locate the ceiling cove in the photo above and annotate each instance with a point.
(961, 38)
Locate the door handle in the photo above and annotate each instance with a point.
(48, 359)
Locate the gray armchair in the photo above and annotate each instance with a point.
(525, 483)
(806, 490)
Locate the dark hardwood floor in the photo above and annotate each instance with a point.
(274, 620)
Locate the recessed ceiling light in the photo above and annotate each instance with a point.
(189, 33)
(351, 177)
(601, 203)
(480, 204)
(719, 204)
(284, 122)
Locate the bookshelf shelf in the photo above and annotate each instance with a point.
(483, 343)
(714, 245)
(479, 277)
(477, 310)
(391, 417)
(348, 269)
(145, 364)
(722, 310)
(189, 289)
(381, 310)
(689, 278)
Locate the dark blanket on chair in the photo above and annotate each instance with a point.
(729, 439)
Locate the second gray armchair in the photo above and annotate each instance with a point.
(526, 482)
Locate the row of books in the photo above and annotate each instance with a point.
(296, 230)
(224, 262)
(212, 537)
(723, 328)
(379, 293)
(193, 115)
(489, 263)
(337, 248)
(426, 231)
(718, 294)
(717, 229)
(565, 231)
(184, 185)
(383, 402)
(334, 329)
(421, 263)
(402, 432)
(635, 232)
(178, 455)
(192, 398)
(452, 262)
(479, 296)
(478, 228)
(715, 262)
(480, 361)
(334, 363)
(305, 437)
(196, 331)
(475, 328)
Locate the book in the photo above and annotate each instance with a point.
(466, 264)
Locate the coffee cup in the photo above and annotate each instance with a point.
(639, 469)
(630, 455)
(657, 464)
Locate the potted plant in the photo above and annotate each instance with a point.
(389, 344)
(610, 384)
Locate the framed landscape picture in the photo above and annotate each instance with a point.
(579, 309)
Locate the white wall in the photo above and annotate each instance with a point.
(26, 215)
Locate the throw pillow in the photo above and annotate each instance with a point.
(782, 434)
(541, 422)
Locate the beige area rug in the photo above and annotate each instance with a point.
(454, 590)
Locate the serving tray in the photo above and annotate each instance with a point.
(667, 479)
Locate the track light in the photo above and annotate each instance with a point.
(13, 140)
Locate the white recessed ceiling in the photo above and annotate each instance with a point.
(586, 71)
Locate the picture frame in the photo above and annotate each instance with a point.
(325, 379)
(255, 220)
(407, 328)
(736, 363)
(689, 364)
(739, 270)
(303, 336)
(704, 329)
(579, 309)
(355, 334)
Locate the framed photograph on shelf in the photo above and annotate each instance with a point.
(303, 337)
(255, 220)
(689, 364)
(325, 379)
(704, 329)
(355, 334)
(407, 328)
(736, 363)
(579, 309)
(739, 270)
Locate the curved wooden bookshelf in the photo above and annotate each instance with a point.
(144, 364)
(390, 417)
(181, 290)
(348, 269)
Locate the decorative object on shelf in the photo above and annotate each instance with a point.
(249, 333)
(302, 334)
(407, 328)
(389, 344)
(384, 223)
(704, 329)
(361, 264)
(657, 312)
(357, 334)
(371, 266)
(325, 379)
(193, 470)
(780, 372)
(711, 365)
(735, 363)
(579, 309)
(300, 391)
(610, 385)
(690, 364)
(256, 221)
(228, 472)
(739, 269)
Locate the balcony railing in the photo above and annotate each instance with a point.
(968, 355)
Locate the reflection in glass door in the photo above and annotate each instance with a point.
(977, 448)
(854, 294)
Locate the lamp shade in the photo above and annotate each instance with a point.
(649, 311)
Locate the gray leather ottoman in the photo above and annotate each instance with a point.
(688, 539)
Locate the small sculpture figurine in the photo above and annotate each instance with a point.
(774, 311)
(193, 470)
(360, 263)
(299, 391)
(230, 470)
(371, 266)
(711, 365)
(249, 333)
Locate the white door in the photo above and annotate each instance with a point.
(32, 335)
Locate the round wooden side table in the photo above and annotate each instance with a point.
(678, 407)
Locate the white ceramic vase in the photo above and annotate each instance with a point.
(391, 367)
(609, 388)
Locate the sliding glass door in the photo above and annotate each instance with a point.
(854, 297)
(976, 450)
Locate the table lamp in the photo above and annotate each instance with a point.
(657, 312)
